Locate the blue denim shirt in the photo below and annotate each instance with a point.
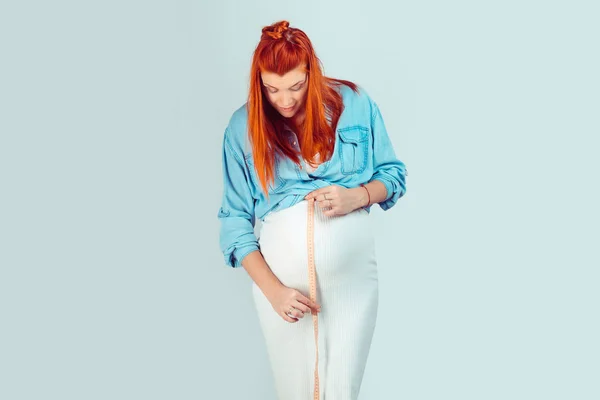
(363, 152)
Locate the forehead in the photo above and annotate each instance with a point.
(285, 81)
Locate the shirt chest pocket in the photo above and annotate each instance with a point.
(353, 149)
(274, 187)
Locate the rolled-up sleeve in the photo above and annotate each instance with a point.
(237, 238)
(387, 168)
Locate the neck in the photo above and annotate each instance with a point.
(296, 121)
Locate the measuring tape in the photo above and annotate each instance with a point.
(313, 287)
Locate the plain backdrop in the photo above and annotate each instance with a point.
(112, 283)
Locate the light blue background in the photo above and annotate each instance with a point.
(112, 285)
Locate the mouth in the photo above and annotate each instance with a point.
(287, 109)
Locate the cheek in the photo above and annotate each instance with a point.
(268, 95)
(272, 98)
(301, 98)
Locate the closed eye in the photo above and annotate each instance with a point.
(293, 90)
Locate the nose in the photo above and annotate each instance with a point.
(287, 100)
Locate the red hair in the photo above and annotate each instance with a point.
(280, 50)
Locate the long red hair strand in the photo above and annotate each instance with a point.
(281, 49)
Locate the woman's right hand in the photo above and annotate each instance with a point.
(284, 298)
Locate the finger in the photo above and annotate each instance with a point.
(322, 201)
(310, 303)
(305, 300)
(295, 313)
(288, 318)
(298, 313)
(302, 307)
(330, 213)
(313, 194)
(328, 196)
(326, 204)
(317, 192)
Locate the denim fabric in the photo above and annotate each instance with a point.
(363, 152)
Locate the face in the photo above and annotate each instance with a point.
(286, 93)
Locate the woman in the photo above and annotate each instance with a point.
(307, 155)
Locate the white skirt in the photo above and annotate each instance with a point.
(347, 290)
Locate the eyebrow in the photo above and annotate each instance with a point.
(302, 81)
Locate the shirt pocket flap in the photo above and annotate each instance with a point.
(354, 134)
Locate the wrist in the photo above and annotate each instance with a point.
(362, 198)
(367, 194)
(272, 289)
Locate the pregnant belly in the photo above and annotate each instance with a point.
(343, 245)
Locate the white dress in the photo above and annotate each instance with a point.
(347, 290)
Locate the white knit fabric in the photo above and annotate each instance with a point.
(347, 289)
(308, 166)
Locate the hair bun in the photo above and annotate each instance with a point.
(276, 30)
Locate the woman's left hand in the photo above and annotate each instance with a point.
(338, 200)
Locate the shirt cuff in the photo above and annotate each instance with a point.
(238, 254)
